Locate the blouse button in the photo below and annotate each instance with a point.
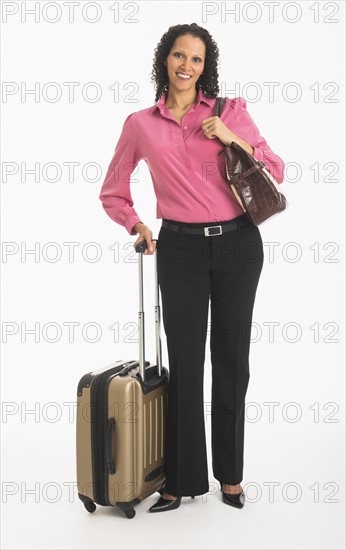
(185, 127)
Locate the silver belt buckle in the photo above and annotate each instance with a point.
(206, 230)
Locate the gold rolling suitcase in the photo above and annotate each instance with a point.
(121, 421)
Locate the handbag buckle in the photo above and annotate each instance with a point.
(206, 230)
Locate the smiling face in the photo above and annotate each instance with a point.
(186, 57)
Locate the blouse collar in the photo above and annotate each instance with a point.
(200, 97)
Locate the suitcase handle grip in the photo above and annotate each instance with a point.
(110, 445)
(142, 245)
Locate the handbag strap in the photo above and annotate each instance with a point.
(219, 105)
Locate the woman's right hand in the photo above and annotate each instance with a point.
(145, 234)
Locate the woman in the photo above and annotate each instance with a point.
(206, 248)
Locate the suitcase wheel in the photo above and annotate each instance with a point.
(130, 513)
(90, 506)
(128, 507)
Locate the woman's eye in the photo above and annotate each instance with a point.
(195, 58)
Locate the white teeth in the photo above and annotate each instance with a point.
(183, 75)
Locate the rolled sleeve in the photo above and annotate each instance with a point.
(115, 192)
(250, 133)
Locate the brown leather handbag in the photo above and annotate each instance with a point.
(253, 186)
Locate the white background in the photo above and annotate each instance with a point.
(300, 289)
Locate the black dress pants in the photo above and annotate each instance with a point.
(191, 270)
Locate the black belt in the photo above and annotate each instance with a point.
(208, 230)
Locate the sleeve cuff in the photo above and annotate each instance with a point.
(130, 222)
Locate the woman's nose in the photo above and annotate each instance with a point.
(186, 66)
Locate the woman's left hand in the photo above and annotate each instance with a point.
(214, 127)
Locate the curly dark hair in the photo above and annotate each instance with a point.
(208, 81)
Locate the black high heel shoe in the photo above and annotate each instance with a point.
(237, 499)
(164, 504)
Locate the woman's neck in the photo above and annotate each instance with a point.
(180, 100)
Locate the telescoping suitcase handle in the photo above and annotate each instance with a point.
(140, 247)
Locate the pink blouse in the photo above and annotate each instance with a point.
(184, 164)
